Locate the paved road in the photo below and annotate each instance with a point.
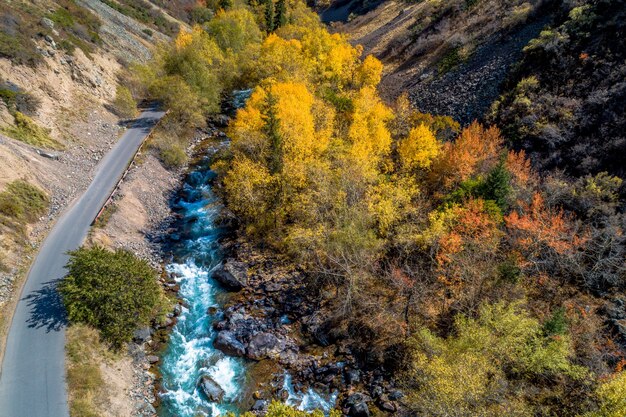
(32, 380)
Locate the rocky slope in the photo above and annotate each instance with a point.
(451, 57)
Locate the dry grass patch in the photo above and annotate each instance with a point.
(85, 353)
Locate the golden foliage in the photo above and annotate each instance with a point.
(370, 140)
(612, 397)
(418, 149)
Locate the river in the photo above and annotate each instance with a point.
(190, 354)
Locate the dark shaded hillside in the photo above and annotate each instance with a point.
(451, 57)
(467, 91)
(565, 104)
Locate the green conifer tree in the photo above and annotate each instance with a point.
(281, 14)
(269, 15)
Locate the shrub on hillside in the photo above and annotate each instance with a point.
(18, 100)
(124, 104)
(114, 292)
(277, 409)
(26, 130)
(23, 201)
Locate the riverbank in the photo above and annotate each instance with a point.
(137, 220)
(279, 321)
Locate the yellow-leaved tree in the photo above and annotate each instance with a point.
(463, 375)
(418, 149)
(276, 131)
(611, 397)
(369, 138)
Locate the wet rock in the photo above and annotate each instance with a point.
(211, 389)
(314, 325)
(359, 409)
(395, 395)
(377, 391)
(152, 358)
(357, 398)
(233, 275)
(388, 406)
(352, 376)
(264, 345)
(142, 335)
(221, 120)
(178, 310)
(228, 343)
(259, 405)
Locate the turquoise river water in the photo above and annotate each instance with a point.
(190, 352)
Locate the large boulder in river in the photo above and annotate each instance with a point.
(229, 344)
(233, 275)
(264, 345)
(211, 389)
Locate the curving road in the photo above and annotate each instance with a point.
(32, 379)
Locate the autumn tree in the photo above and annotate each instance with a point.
(475, 371)
(548, 239)
(418, 149)
(475, 151)
(466, 253)
(368, 136)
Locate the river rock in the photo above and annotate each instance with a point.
(395, 395)
(264, 345)
(388, 406)
(233, 275)
(228, 343)
(211, 389)
(352, 376)
(259, 406)
(359, 409)
(142, 334)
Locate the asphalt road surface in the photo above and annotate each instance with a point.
(32, 379)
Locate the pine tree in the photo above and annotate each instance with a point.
(269, 15)
(497, 186)
(281, 14)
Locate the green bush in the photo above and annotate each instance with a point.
(79, 27)
(23, 201)
(115, 292)
(173, 155)
(18, 50)
(200, 14)
(450, 60)
(26, 130)
(124, 104)
(17, 100)
(557, 324)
